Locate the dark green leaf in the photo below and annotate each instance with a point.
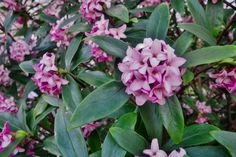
(51, 100)
(200, 32)
(227, 139)
(70, 143)
(197, 12)
(178, 5)
(51, 146)
(173, 119)
(129, 140)
(94, 78)
(80, 27)
(71, 94)
(104, 100)
(9, 20)
(158, 22)
(152, 120)
(194, 135)
(27, 66)
(182, 44)
(209, 55)
(110, 45)
(29, 87)
(187, 77)
(207, 151)
(120, 12)
(14, 123)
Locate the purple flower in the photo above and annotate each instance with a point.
(4, 76)
(45, 76)
(7, 104)
(225, 79)
(151, 71)
(89, 128)
(19, 49)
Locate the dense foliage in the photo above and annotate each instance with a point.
(117, 78)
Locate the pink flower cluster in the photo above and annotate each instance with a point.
(6, 139)
(54, 8)
(92, 9)
(19, 49)
(12, 5)
(147, 3)
(45, 76)
(89, 128)
(4, 76)
(101, 28)
(225, 79)
(203, 109)
(151, 71)
(155, 151)
(7, 104)
(60, 35)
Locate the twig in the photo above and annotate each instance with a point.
(3, 29)
(230, 5)
(229, 24)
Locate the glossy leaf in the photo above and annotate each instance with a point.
(209, 55)
(227, 139)
(72, 49)
(120, 12)
(51, 146)
(129, 140)
(70, 143)
(173, 119)
(71, 94)
(182, 44)
(200, 32)
(158, 22)
(104, 100)
(150, 114)
(178, 5)
(208, 151)
(51, 100)
(27, 66)
(110, 45)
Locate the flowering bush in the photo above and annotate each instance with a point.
(117, 78)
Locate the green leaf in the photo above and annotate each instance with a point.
(158, 22)
(209, 55)
(29, 87)
(194, 135)
(51, 100)
(110, 147)
(182, 44)
(129, 140)
(14, 122)
(94, 78)
(51, 146)
(120, 12)
(187, 77)
(103, 101)
(96, 154)
(80, 27)
(82, 56)
(42, 116)
(40, 107)
(207, 151)
(47, 18)
(173, 119)
(70, 143)
(200, 32)
(110, 45)
(151, 115)
(71, 94)
(72, 49)
(227, 139)
(27, 66)
(178, 5)
(20, 136)
(197, 12)
(9, 20)
(215, 16)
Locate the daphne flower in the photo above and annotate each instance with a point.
(155, 151)
(225, 79)
(46, 78)
(89, 128)
(5, 137)
(18, 50)
(202, 108)
(151, 71)
(8, 104)
(4, 76)
(200, 120)
(92, 9)
(54, 8)
(100, 28)
(12, 5)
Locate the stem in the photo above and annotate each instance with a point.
(3, 29)
(230, 5)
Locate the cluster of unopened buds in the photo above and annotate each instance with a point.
(151, 71)
(89, 128)
(101, 28)
(46, 77)
(225, 79)
(155, 151)
(4, 76)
